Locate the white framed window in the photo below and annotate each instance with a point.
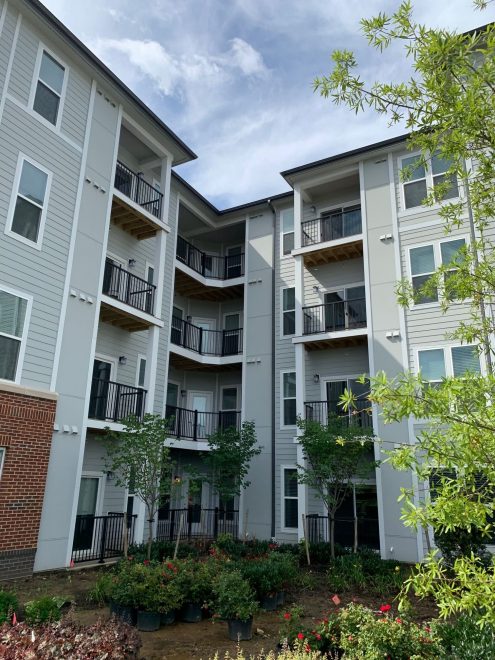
(141, 371)
(49, 87)
(15, 310)
(423, 178)
(288, 302)
(2, 459)
(286, 231)
(435, 364)
(290, 508)
(425, 259)
(288, 411)
(28, 205)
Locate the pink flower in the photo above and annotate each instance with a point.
(146, 562)
(384, 608)
(398, 620)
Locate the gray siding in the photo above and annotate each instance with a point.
(94, 461)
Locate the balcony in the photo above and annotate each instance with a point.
(332, 237)
(318, 411)
(209, 265)
(113, 402)
(137, 205)
(196, 523)
(218, 343)
(198, 425)
(339, 323)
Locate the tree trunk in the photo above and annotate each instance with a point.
(355, 548)
(150, 536)
(332, 536)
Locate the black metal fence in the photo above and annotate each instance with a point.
(367, 531)
(335, 316)
(332, 226)
(128, 288)
(114, 402)
(197, 523)
(101, 537)
(318, 411)
(207, 342)
(210, 265)
(140, 191)
(197, 425)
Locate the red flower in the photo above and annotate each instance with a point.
(427, 628)
(398, 620)
(300, 636)
(307, 648)
(350, 638)
(384, 608)
(287, 616)
(146, 562)
(318, 636)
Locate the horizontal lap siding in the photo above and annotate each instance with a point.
(6, 38)
(124, 245)
(113, 342)
(94, 461)
(329, 277)
(333, 363)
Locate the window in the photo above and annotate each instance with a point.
(422, 267)
(28, 207)
(141, 371)
(420, 179)
(426, 259)
(287, 231)
(12, 322)
(437, 363)
(288, 311)
(289, 399)
(289, 500)
(49, 89)
(2, 459)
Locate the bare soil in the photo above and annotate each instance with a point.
(199, 641)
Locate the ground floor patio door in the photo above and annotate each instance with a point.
(87, 509)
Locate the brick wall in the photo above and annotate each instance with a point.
(26, 427)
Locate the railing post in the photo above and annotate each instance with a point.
(138, 183)
(127, 285)
(179, 421)
(219, 421)
(195, 426)
(200, 345)
(103, 540)
(116, 403)
(215, 524)
(189, 522)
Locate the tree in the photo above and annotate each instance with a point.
(228, 459)
(336, 457)
(138, 455)
(448, 105)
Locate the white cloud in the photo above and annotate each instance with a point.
(246, 58)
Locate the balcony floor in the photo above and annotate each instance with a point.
(127, 216)
(324, 340)
(124, 319)
(182, 362)
(190, 287)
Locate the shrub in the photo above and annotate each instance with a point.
(234, 598)
(44, 610)
(111, 640)
(291, 624)
(460, 542)
(8, 605)
(195, 580)
(365, 571)
(162, 550)
(463, 639)
(101, 592)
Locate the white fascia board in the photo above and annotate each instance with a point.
(128, 309)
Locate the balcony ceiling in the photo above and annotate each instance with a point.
(188, 286)
(121, 319)
(130, 220)
(351, 250)
(185, 364)
(341, 342)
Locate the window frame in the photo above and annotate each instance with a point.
(284, 311)
(140, 358)
(283, 233)
(447, 358)
(284, 426)
(34, 84)
(21, 159)
(437, 256)
(289, 530)
(404, 210)
(3, 451)
(23, 339)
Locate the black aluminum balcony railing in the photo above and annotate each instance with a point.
(318, 411)
(113, 402)
(128, 288)
(335, 316)
(318, 528)
(101, 537)
(206, 342)
(141, 192)
(197, 425)
(331, 227)
(197, 523)
(210, 265)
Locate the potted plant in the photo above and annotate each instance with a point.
(147, 596)
(235, 602)
(170, 596)
(263, 575)
(195, 579)
(121, 593)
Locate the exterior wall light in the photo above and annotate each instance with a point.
(316, 378)
(122, 359)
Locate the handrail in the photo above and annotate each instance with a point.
(332, 226)
(319, 411)
(209, 265)
(113, 402)
(122, 285)
(132, 185)
(204, 341)
(334, 316)
(198, 425)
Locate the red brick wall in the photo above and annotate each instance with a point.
(26, 427)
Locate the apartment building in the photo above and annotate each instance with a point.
(124, 291)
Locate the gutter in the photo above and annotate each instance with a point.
(270, 205)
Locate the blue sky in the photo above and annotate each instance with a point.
(234, 78)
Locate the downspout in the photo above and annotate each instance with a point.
(269, 202)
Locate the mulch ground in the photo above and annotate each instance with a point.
(195, 641)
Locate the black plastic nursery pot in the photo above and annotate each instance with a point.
(167, 618)
(270, 602)
(280, 598)
(191, 613)
(124, 613)
(148, 621)
(240, 630)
